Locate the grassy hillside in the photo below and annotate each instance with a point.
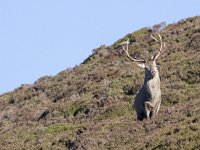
(90, 106)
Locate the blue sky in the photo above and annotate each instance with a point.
(44, 37)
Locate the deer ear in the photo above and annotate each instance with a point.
(142, 65)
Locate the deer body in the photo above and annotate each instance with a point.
(148, 99)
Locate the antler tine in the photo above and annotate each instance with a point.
(155, 38)
(161, 46)
(127, 53)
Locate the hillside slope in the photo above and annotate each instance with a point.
(90, 106)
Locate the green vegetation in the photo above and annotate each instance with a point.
(119, 110)
(141, 32)
(62, 127)
(90, 106)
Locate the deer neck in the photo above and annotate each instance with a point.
(149, 79)
(151, 85)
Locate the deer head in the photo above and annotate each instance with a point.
(149, 65)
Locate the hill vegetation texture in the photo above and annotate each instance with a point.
(91, 106)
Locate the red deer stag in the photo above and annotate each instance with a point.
(148, 99)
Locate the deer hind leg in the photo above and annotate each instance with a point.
(141, 116)
(148, 109)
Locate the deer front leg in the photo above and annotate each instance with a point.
(158, 107)
(155, 110)
(148, 108)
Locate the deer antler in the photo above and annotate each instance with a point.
(161, 46)
(127, 53)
